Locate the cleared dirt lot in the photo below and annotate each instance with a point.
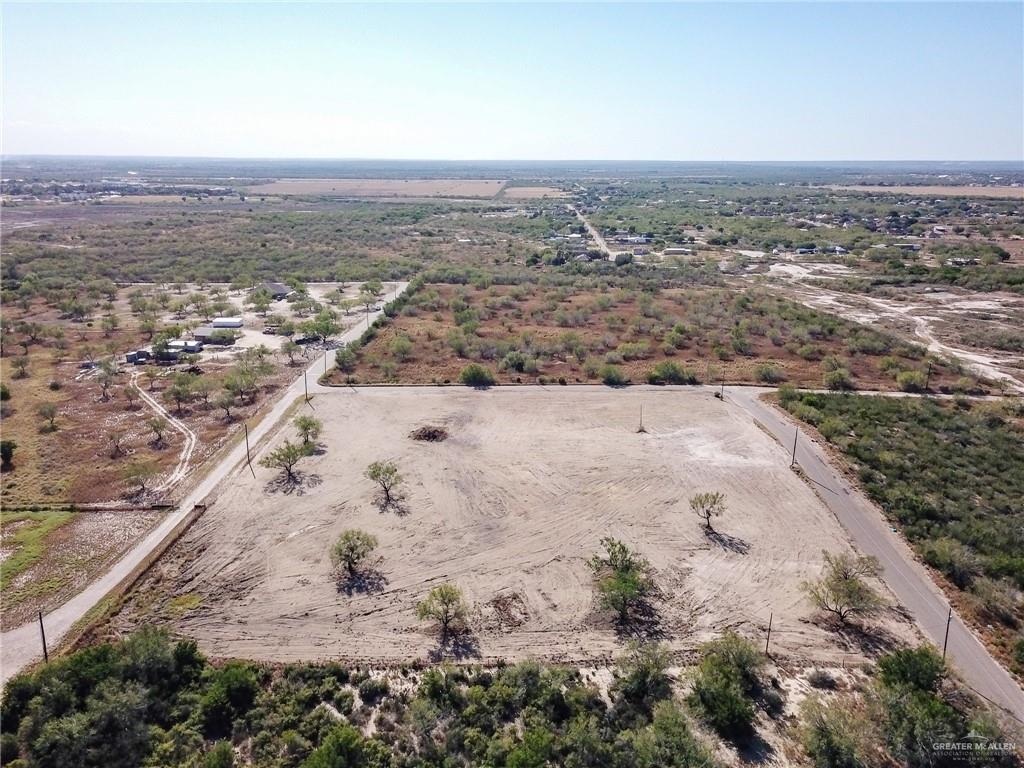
(509, 507)
(381, 187)
(534, 193)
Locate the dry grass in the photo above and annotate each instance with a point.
(381, 187)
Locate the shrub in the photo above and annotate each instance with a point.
(819, 678)
(613, 376)
(956, 561)
(373, 690)
(831, 735)
(919, 669)
(670, 372)
(837, 380)
(911, 381)
(476, 375)
(345, 359)
(769, 374)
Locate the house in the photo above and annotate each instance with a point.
(277, 291)
(674, 251)
(183, 345)
(138, 356)
(208, 334)
(227, 322)
(806, 251)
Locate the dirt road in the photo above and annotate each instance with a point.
(594, 233)
(21, 646)
(873, 535)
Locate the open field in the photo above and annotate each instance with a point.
(533, 193)
(509, 507)
(957, 190)
(529, 333)
(381, 187)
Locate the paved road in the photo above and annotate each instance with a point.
(594, 233)
(907, 579)
(21, 646)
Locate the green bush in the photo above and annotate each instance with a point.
(613, 376)
(911, 381)
(476, 375)
(920, 669)
(670, 372)
(769, 374)
(837, 379)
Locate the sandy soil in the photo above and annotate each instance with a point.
(534, 193)
(75, 553)
(381, 187)
(509, 507)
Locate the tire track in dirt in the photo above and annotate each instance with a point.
(191, 440)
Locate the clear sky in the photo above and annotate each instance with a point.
(729, 81)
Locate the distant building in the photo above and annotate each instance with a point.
(227, 322)
(184, 345)
(208, 334)
(675, 251)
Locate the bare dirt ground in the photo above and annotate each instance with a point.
(534, 193)
(509, 507)
(75, 553)
(945, 191)
(980, 329)
(381, 187)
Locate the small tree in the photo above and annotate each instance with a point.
(352, 548)
(385, 474)
(445, 605)
(7, 448)
(476, 375)
(309, 428)
(49, 412)
(842, 589)
(20, 367)
(131, 394)
(707, 505)
(622, 578)
(225, 400)
(139, 473)
(284, 457)
(159, 425)
(180, 391)
(116, 449)
(291, 349)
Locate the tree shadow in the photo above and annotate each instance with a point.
(294, 485)
(456, 644)
(396, 503)
(727, 541)
(365, 581)
(868, 640)
(643, 623)
(755, 749)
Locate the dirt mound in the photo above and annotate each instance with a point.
(430, 434)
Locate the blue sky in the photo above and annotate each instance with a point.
(729, 81)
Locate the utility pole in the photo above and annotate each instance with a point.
(42, 632)
(769, 637)
(796, 434)
(248, 458)
(305, 384)
(641, 419)
(945, 641)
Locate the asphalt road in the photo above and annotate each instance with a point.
(905, 577)
(22, 645)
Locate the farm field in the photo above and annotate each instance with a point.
(537, 333)
(381, 187)
(533, 193)
(509, 507)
